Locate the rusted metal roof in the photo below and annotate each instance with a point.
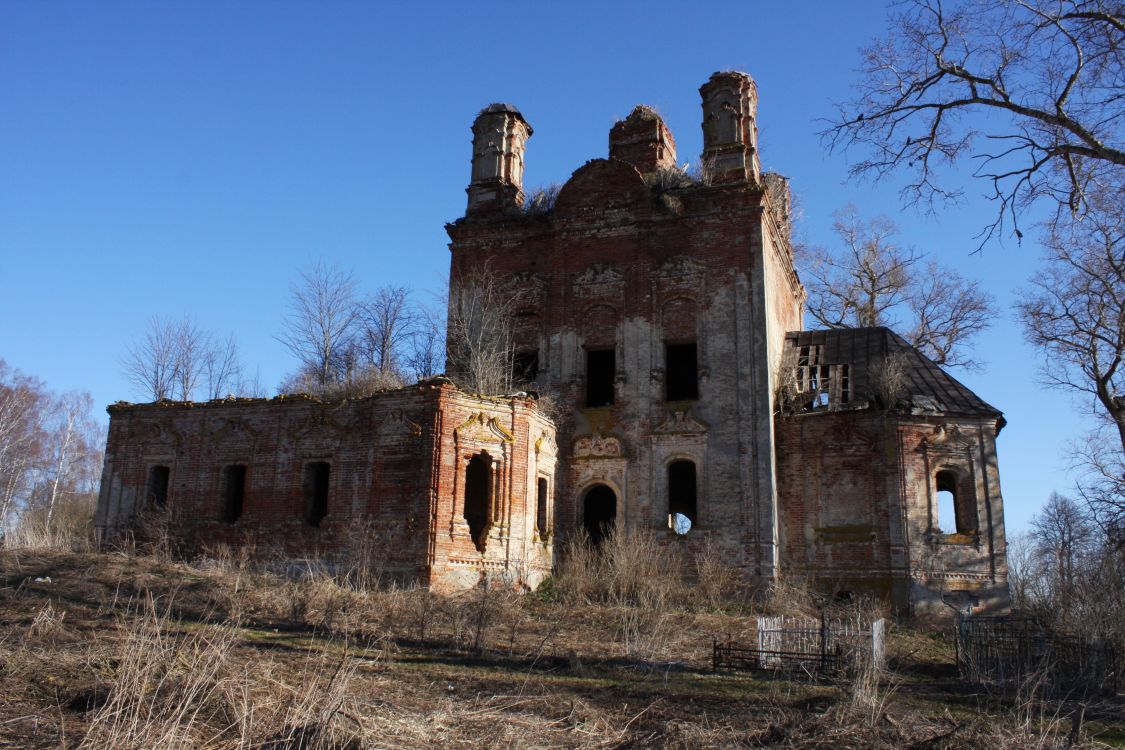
(929, 388)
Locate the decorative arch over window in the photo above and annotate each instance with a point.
(478, 498)
(956, 505)
(683, 509)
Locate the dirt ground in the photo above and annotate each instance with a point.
(117, 651)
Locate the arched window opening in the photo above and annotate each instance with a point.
(682, 502)
(541, 508)
(599, 513)
(234, 491)
(316, 492)
(956, 511)
(478, 498)
(157, 494)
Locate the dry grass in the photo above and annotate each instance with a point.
(120, 651)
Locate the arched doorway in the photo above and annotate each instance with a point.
(599, 511)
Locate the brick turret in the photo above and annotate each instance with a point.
(499, 138)
(643, 140)
(730, 128)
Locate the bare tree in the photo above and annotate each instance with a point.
(479, 335)
(1031, 90)
(151, 362)
(1063, 536)
(866, 281)
(74, 437)
(425, 353)
(222, 367)
(190, 346)
(22, 400)
(174, 356)
(320, 327)
(871, 281)
(1074, 312)
(948, 310)
(386, 323)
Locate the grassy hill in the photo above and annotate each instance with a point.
(132, 651)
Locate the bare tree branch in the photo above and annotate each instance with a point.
(1045, 77)
(871, 281)
(319, 329)
(480, 342)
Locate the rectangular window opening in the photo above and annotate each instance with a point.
(316, 492)
(601, 370)
(525, 366)
(234, 492)
(157, 494)
(845, 384)
(541, 508)
(681, 372)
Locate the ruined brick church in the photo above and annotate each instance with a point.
(665, 314)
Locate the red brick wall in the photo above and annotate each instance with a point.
(856, 503)
(391, 481)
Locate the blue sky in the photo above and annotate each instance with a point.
(190, 158)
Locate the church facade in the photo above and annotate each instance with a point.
(663, 314)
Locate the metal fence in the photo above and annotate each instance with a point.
(799, 644)
(1016, 654)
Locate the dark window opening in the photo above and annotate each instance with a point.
(525, 366)
(234, 491)
(845, 384)
(157, 494)
(681, 372)
(541, 508)
(601, 369)
(599, 513)
(682, 505)
(316, 492)
(478, 495)
(955, 511)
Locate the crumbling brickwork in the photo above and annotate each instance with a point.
(660, 308)
(384, 475)
(662, 313)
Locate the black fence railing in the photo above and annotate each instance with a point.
(1021, 654)
(727, 655)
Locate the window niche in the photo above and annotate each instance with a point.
(955, 505)
(683, 510)
(525, 366)
(601, 371)
(541, 517)
(234, 492)
(156, 494)
(316, 492)
(478, 498)
(681, 372)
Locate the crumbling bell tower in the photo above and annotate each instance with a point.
(643, 140)
(661, 312)
(730, 128)
(499, 138)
